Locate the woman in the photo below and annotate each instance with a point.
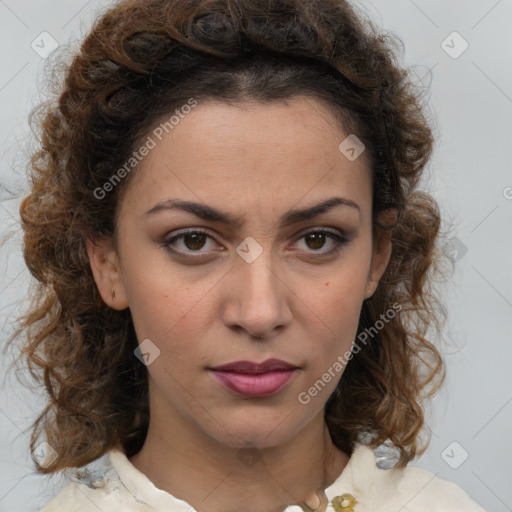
(234, 264)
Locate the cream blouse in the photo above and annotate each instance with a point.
(124, 488)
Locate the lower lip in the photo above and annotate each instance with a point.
(254, 385)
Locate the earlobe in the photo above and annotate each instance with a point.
(106, 271)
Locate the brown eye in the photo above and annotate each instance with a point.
(193, 244)
(322, 242)
(194, 241)
(315, 240)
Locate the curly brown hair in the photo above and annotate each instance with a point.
(142, 60)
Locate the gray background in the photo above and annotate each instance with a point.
(471, 100)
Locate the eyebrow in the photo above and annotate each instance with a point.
(209, 213)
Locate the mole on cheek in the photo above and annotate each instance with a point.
(327, 284)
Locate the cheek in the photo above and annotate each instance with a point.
(334, 330)
(165, 305)
(339, 312)
(335, 304)
(340, 295)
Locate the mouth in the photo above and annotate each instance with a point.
(254, 380)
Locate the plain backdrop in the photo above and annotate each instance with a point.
(462, 51)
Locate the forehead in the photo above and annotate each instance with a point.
(251, 154)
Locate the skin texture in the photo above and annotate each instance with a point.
(295, 302)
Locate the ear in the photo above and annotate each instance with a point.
(381, 250)
(105, 267)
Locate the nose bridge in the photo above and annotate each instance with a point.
(259, 301)
(257, 275)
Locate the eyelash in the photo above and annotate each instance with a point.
(338, 238)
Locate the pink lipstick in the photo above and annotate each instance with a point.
(254, 380)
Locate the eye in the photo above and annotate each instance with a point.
(188, 242)
(316, 239)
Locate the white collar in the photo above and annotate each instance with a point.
(354, 479)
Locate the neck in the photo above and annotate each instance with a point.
(214, 478)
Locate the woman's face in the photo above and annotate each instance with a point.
(279, 269)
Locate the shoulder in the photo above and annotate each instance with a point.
(108, 495)
(427, 491)
(411, 489)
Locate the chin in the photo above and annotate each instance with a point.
(262, 432)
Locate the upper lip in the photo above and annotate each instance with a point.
(270, 365)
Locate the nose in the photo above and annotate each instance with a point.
(256, 298)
